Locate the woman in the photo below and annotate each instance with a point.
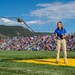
(60, 34)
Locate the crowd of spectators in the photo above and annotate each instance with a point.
(44, 42)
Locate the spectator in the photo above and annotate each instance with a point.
(47, 42)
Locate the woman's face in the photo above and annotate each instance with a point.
(59, 25)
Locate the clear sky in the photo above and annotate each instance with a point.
(40, 15)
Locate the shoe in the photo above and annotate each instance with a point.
(65, 62)
(56, 62)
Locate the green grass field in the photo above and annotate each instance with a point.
(8, 67)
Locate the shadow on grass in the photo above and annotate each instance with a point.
(39, 60)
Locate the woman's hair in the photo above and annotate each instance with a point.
(61, 24)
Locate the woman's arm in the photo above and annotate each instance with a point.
(56, 35)
(64, 35)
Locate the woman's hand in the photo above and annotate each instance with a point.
(63, 36)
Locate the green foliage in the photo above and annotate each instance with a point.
(18, 31)
(14, 31)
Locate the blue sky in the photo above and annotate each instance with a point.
(40, 15)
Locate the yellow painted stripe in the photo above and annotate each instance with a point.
(70, 61)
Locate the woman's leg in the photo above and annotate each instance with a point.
(58, 46)
(64, 50)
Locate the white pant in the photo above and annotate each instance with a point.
(61, 44)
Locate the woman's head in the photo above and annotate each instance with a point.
(59, 25)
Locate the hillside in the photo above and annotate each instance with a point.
(14, 31)
(17, 31)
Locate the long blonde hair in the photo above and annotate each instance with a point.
(61, 24)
